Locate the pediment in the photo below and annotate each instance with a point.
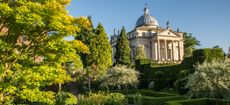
(168, 32)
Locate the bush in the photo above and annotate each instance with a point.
(116, 99)
(121, 75)
(102, 98)
(181, 81)
(146, 100)
(208, 55)
(64, 98)
(146, 93)
(137, 99)
(210, 80)
(159, 81)
(200, 101)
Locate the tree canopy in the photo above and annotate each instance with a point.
(32, 30)
(122, 54)
(190, 44)
(140, 52)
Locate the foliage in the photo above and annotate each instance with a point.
(116, 99)
(140, 53)
(123, 50)
(159, 82)
(210, 80)
(181, 81)
(146, 93)
(228, 53)
(146, 100)
(121, 75)
(190, 44)
(100, 56)
(86, 34)
(64, 98)
(199, 101)
(137, 98)
(35, 29)
(208, 55)
(102, 98)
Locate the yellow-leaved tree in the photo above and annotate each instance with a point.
(33, 49)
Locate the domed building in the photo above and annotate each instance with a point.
(162, 45)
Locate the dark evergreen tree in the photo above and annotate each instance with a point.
(122, 54)
(85, 35)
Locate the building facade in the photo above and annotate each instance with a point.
(162, 45)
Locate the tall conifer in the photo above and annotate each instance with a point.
(100, 51)
(122, 54)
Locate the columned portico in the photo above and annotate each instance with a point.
(168, 50)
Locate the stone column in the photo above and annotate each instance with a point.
(179, 50)
(172, 50)
(166, 53)
(158, 49)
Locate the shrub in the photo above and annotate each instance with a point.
(137, 99)
(64, 98)
(102, 98)
(210, 80)
(116, 99)
(199, 101)
(146, 100)
(121, 75)
(181, 81)
(208, 55)
(159, 81)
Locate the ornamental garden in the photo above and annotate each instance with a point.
(39, 66)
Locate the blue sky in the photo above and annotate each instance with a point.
(207, 20)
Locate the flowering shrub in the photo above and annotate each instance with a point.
(121, 75)
(210, 80)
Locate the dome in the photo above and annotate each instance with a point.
(146, 19)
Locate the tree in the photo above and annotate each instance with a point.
(216, 46)
(35, 29)
(122, 54)
(190, 44)
(140, 52)
(121, 75)
(85, 35)
(100, 51)
(210, 80)
(228, 53)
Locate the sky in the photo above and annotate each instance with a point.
(207, 20)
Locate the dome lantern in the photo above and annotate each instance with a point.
(146, 19)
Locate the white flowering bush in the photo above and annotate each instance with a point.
(210, 80)
(121, 75)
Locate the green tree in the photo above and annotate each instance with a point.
(100, 51)
(32, 30)
(228, 53)
(190, 44)
(85, 35)
(140, 52)
(122, 54)
(216, 46)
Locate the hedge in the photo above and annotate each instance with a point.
(200, 101)
(146, 93)
(208, 55)
(147, 100)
